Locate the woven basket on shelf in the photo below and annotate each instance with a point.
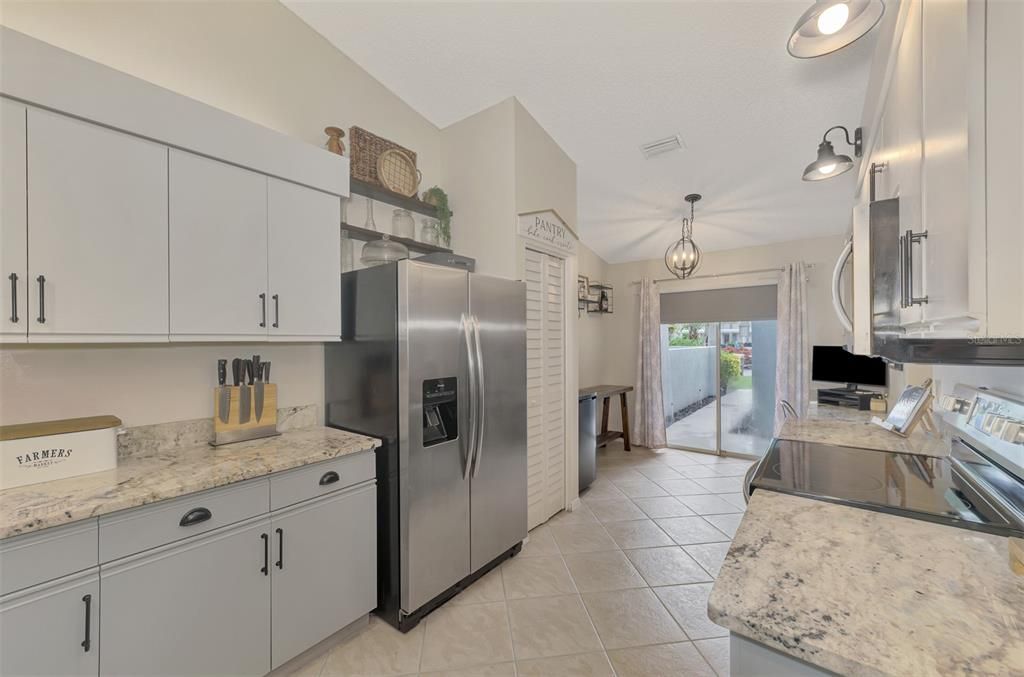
(365, 149)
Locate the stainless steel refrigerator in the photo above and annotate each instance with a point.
(433, 362)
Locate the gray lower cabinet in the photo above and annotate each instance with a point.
(324, 563)
(52, 629)
(200, 607)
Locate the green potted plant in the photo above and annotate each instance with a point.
(437, 198)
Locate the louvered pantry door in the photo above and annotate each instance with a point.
(545, 383)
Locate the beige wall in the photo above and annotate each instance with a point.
(256, 60)
(621, 339)
(545, 175)
(592, 328)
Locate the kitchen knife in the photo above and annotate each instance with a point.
(258, 375)
(224, 393)
(244, 398)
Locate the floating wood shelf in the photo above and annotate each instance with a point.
(381, 194)
(365, 234)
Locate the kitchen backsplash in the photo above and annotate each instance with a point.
(1007, 379)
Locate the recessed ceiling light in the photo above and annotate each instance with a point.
(666, 145)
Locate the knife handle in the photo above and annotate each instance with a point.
(222, 372)
(248, 371)
(256, 367)
(236, 370)
(266, 372)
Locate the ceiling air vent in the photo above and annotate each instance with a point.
(660, 146)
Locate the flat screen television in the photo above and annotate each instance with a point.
(835, 363)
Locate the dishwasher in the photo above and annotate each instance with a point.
(588, 439)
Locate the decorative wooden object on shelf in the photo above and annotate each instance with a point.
(334, 142)
(365, 235)
(233, 431)
(398, 173)
(366, 148)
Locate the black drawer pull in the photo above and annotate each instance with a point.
(329, 477)
(280, 548)
(266, 555)
(195, 516)
(87, 642)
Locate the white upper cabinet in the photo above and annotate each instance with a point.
(13, 224)
(304, 265)
(97, 233)
(218, 236)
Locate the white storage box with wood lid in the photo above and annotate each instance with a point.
(52, 450)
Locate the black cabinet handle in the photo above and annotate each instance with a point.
(280, 548)
(87, 642)
(195, 516)
(277, 310)
(13, 277)
(266, 554)
(329, 477)
(263, 304)
(42, 299)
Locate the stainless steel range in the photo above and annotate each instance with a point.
(979, 485)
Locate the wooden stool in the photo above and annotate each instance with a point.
(605, 393)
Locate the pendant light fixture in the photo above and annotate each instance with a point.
(683, 257)
(830, 25)
(828, 163)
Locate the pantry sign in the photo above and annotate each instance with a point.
(547, 229)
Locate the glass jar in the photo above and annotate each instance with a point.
(430, 233)
(402, 224)
(384, 250)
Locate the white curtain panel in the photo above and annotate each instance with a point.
(649, 415)
(793, 359)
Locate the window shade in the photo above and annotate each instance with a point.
(720, 305)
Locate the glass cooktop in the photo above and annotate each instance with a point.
(952, 490)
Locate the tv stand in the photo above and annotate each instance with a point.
(849, 396)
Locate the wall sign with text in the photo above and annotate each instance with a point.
(548, 230)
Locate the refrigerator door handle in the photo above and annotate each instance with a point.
(481, 398)
(467, 328)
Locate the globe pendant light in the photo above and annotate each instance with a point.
(683, 257)
(830, 25)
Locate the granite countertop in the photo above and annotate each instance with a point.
(158, 472)
(866, 593)
(843, 426)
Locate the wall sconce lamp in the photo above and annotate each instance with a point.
(828, 163)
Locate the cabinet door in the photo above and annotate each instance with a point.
(52, 629)
(218, 226)
(201, 607)
(304, 236)
(97, 235)
(324, 560)
(13, 224)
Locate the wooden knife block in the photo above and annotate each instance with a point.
(233, 431)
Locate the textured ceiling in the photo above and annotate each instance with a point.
(604, 78)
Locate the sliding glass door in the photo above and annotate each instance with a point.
(718, 385)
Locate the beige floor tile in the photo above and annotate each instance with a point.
(536, 577)
(667, 566)
(707, 504)
(599, 571)
(615, 510)
(715, 652)
(487, 589)
(667, 659)
(689, 606)
(727, 524)
(620, 473)
(582, 538)
(722, 485)
(662, 506)
(378, 650)
(708, 555)
(464, 636)
(682, 487)
(641, 488)
(303, 665)
(496, 670)
(551, 626)
(736, 500)
(580, 515)
(689, 530)
(541, 543)
(594, 664)
(637, 534)
(631, 618)
(659, 472)
(696, 472)
(730, 469)
(601, 492)
(680, 459)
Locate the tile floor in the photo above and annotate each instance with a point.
(618, 587)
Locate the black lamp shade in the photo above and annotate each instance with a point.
(828, 164)
(817, 35)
